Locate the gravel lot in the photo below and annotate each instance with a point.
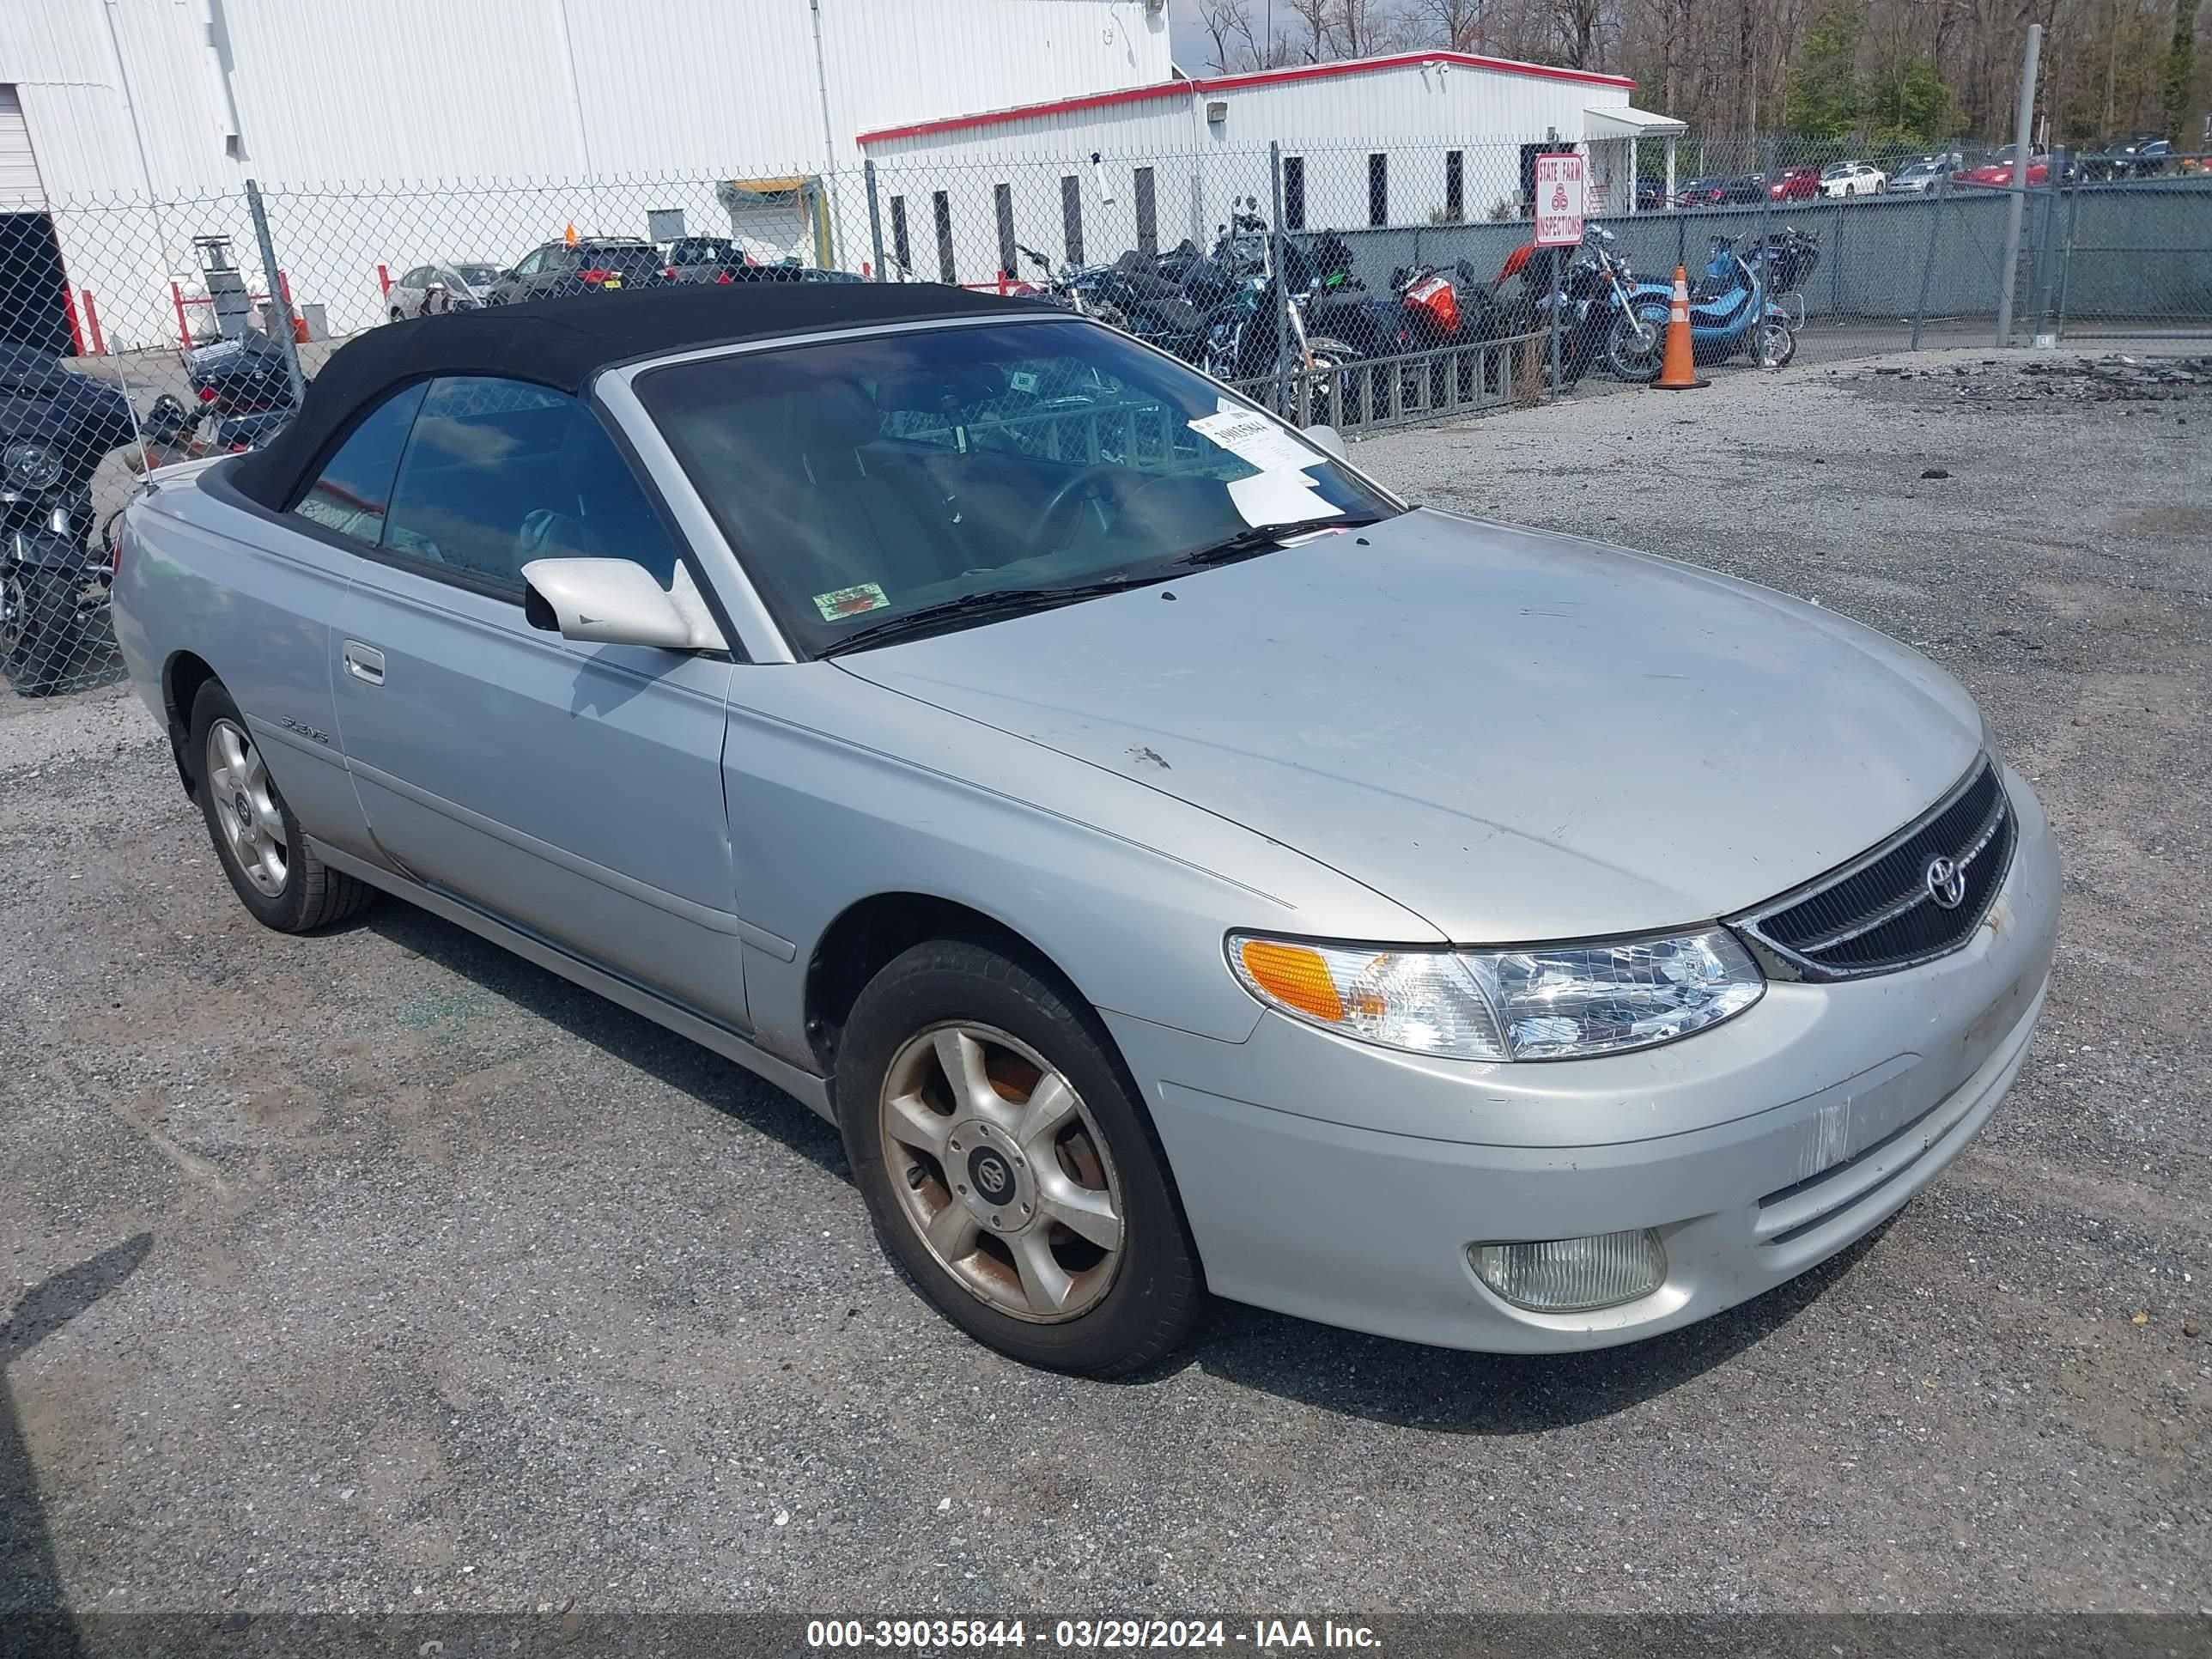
(381, 1270)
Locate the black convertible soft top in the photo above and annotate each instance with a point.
(563, 344)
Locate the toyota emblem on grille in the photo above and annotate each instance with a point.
(1946, 883)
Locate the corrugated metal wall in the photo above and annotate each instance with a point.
(326, 90)
(356, 101)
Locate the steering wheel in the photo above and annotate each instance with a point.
(1089, 483)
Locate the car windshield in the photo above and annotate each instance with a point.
(868, 479)
(698, 250)
(476, 276)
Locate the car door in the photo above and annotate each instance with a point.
(515, 285)
(571, 790)
(281, 601)
(556, 273)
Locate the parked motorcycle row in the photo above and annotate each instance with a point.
(1219, 310)
(57, 426)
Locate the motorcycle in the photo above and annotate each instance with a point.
(1594, 284)
(1071, 287)
(1732, 312)
(244, 387)
(1785, 260)
(56, 427)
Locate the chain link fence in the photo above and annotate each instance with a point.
(1355, 282)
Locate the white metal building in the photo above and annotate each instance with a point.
(122, 102)
(1412, 139)
(163, 97)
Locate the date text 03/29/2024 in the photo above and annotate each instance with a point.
(1086, 1634)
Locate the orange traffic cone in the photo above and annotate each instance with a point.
(1678, 370)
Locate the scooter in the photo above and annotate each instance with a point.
(1732, 313)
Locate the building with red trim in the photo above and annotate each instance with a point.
(1379, 143)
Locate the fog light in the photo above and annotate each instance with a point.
(1573, 1275)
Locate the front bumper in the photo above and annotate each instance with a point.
(1343, 1183)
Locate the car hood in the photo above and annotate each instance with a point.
(1517, 736)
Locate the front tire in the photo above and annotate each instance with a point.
(273, 866)
(1773, 343)
(1008, 1165)
(1633, 356)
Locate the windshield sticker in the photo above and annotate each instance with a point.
(1256, 441)
(1279, 498)
(850, 602)
(1024, 380)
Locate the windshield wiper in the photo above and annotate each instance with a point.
(988, 606)
(1264, 538)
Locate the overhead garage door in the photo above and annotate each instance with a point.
(19, 169)
(33, 299)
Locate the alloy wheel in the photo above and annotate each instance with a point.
(1001, 1172)
(245, 808)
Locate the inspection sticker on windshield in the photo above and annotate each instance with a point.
(850, 602)
(1256, 439)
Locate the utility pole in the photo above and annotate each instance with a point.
(2023, 128)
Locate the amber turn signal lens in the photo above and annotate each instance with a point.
(1294, 976)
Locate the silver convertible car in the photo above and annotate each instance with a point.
(1176, 865)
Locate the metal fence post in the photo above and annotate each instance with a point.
(875, 221)
(1766, 190)
(2046, 249)
(1928, 265)
(1278, 248)
(287, 337)
(2066, 258)
(2016, 205)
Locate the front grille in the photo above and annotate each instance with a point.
(1880, 911)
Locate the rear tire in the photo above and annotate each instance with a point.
(286, 885)
(39, 635)
(959, 1064)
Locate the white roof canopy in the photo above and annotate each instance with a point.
(1623, 121)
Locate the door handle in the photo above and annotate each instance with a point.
(364, 662)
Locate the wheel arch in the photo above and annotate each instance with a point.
(182, 676)
(869, 933)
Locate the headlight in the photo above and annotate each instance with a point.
(1546, 1002)
(29, 465)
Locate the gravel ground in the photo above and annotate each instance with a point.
(378, 1270)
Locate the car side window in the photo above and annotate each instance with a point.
(527, 265)
(499, 472)
(350, 493)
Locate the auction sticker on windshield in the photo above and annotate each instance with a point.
(850, 601)
(1254, 439)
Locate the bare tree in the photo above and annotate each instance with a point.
(1454, 25)
(1262, 47)
(1228, 24)
(1313, 17)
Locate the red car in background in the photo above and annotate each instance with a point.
(1796, 185)
(1998, 171)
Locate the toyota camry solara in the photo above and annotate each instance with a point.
(1176, 865)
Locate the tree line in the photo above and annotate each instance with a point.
(1896, 71)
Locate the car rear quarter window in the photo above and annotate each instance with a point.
(499, 472)
(352, 493)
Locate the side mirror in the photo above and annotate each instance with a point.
(616, 602)
(1328, 438)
